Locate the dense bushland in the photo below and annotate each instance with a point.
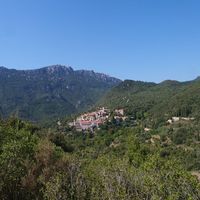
(116, 163)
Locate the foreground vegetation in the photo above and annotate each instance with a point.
(118, 162)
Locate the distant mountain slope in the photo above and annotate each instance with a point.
(165, 99)
(50, 92)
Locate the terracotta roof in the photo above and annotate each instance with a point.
(85, 122)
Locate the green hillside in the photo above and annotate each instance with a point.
(164, 100)
(50, 92)
(142, 156)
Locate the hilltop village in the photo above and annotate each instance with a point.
(92, 120)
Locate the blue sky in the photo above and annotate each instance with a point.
(149, 40)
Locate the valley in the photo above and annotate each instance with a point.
(129, 140)
(118, 118)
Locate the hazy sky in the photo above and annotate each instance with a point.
(148, 40)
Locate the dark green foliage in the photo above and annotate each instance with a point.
(120, 161)
(17, 147)
(180, 136)
(159, 101)
(50, 92)
(61, 141)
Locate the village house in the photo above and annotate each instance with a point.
(176, 119)
(85, 124)
(188, 118)
(169, 121)
(147, 129)
(119, 112)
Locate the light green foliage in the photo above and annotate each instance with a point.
(112, 165)
(17, 148)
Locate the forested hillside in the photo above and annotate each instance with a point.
(151, 152)
(50, 92)
(164, 100)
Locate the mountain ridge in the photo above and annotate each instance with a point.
(54, 68)
(57, 90)
(50, 92)
(166, 99)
